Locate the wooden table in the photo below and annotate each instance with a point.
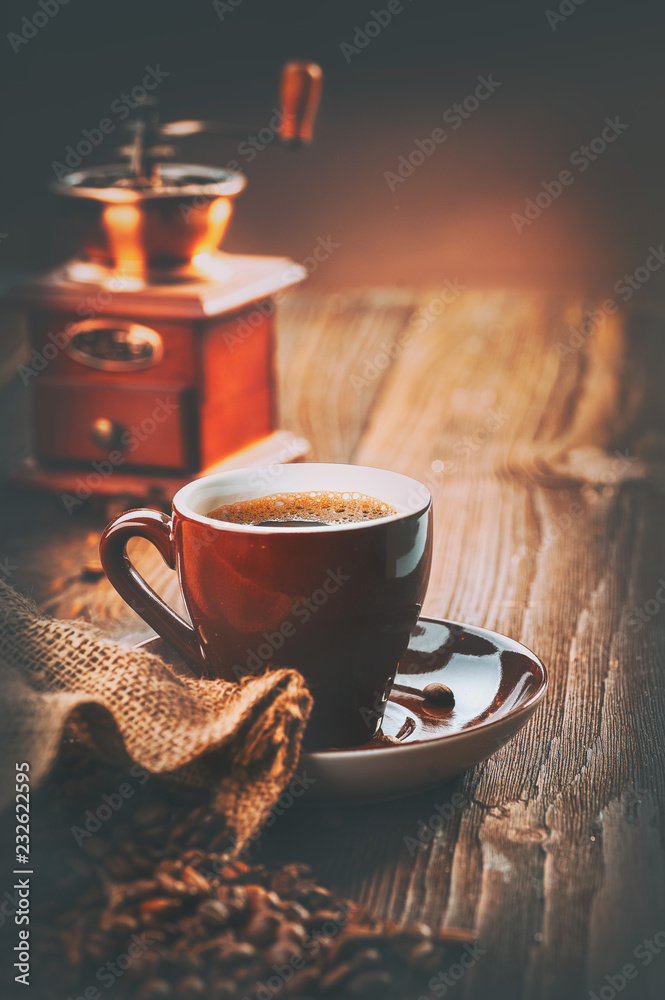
(542, 442)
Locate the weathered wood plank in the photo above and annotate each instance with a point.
(333, 357)
(545, 533)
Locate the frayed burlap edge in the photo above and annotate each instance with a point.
(242, 740)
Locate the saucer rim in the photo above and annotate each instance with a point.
(352, 753)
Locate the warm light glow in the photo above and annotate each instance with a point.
(117, 194)
(212, 265)
(217, 219)
(81, 271)
(123, 224)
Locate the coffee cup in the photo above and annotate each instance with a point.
(335, 601)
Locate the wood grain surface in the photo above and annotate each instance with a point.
(541, 435)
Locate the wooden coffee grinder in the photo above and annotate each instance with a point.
(152, 350)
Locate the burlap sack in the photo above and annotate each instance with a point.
(241, 739)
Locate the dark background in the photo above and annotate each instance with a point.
(452, 217)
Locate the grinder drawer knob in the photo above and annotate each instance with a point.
(106, 434)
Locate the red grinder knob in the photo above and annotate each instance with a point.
(300, 93)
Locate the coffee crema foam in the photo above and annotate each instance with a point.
(318, 506)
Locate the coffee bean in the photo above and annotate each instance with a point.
(153, 911)
(365, 958)
(219, 841)
(423, 956)
(223, 989)
(294, 911)
(355, 938)
(238, 953)
(333, 980)
(140, 889)
(284, 882)
(281, 953)
(155, 989)
(191, 877)
(262, 929)
(190, 988)
(313, 896)
(291, 931)
(455, 935)
(145, 966)
(217, 929)
(213, 913)
(118, 923)
(438, 694)
(321, 917)
(174, 886)
(415, 933)
(235, 897)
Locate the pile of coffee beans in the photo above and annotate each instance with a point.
(137, 892)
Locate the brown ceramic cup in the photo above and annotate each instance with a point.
(336, 602)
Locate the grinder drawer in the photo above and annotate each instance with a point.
(128, 427)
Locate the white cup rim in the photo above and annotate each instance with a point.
(417, 497)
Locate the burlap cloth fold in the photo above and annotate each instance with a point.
(243, 740)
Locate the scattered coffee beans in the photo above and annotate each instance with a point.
(148, 896)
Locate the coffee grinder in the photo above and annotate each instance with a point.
(153, 350)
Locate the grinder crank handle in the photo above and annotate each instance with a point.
(300, 96)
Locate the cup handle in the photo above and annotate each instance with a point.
(131, 586)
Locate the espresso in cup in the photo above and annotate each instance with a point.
(294, 509)
(325, 575)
